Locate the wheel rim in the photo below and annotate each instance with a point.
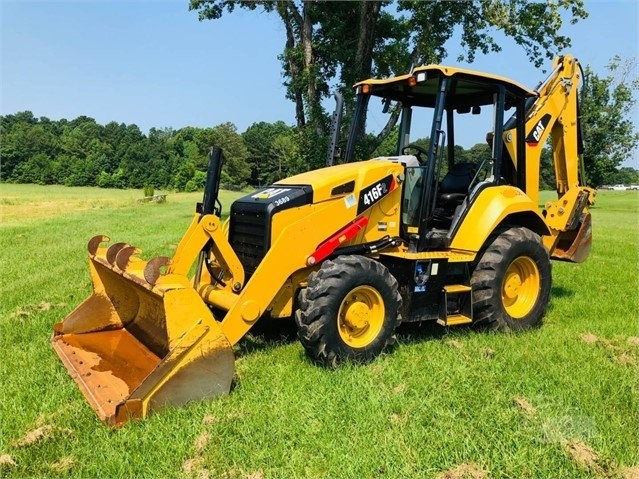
(520, 288)
(361, 316)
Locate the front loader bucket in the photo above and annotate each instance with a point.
(133, 347)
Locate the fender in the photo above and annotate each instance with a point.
(491, 207)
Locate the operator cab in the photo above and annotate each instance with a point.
(436, 105)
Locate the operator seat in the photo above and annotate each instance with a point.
(455, 184)
(453, 189)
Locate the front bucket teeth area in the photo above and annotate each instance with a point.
(113, 251)
(122, 258)
(94, 243)
(152, 269)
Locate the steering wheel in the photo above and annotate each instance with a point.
(420, 151)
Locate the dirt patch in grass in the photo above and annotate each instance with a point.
(6, 462)
(621, 350)
(589, 460)
(40, 434)
(194, 467)
(586, 458)
(630, 472)
(29, 310)
(396, 419)
(626, 359)
(454, 343)
(589, 338)
(489, 353)
(192, 464)
(63, 465)
(525, 406)
(202, 441)
(399, 388)
(468, 470)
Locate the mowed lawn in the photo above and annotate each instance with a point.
(557, 402)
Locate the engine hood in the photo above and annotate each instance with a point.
(341, 180)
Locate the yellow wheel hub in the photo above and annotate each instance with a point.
(361, 316)
(520, 288)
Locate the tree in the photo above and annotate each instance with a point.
(236, 170)
(625, 176)
(337, 43)
(273, 148)
(610, 135)
(24, 137)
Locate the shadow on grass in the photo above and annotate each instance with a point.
(420, 332)
(267, 333)
(561, 292)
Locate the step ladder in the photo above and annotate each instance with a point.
(456, 305)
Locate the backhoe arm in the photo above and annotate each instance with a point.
(555, 112)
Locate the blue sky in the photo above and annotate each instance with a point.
(154, 64)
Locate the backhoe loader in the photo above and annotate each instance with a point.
(351, 250)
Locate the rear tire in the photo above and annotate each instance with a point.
(511, 282)
(348, 311)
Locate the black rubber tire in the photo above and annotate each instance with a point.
(319, 308)
(511, 246)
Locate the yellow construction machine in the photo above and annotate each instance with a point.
(351, 250)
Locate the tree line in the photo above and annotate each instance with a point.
(82, 152)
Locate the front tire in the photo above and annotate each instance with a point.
(348, 311)
(511, 282)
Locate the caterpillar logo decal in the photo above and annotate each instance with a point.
(374, 193)
(535, 135)
(269, 193)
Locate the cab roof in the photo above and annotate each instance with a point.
(469, 88)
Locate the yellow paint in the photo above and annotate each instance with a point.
(490, 208)
(282, 304)
(173, 348)
(520, 287)
(452, 255)
(360, 317)
(445, 71)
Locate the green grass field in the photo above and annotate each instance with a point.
(560, 401)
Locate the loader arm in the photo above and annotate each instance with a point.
(304, 236)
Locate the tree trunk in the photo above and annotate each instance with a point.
(295, 91)
(314, 107)
(368, 16)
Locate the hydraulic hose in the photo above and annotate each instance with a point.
(367, 248)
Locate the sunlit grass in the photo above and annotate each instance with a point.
(441, 399)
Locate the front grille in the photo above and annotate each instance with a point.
(252, 216)
(248, 235)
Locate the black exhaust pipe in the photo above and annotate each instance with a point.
(210, 202)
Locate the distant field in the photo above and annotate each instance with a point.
(558, 402)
